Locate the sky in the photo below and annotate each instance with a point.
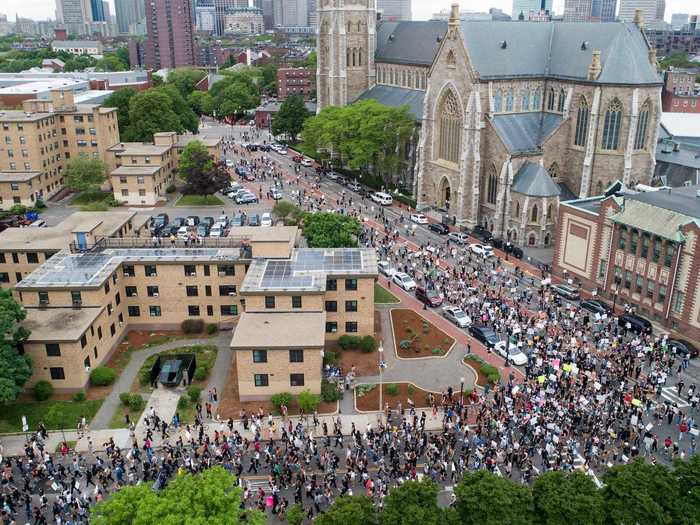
(422, 9)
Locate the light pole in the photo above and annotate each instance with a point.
(461, 391)
(382, 364)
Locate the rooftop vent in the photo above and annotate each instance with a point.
(439, 38)
(584, 45)
(697, 194)
(666, 148)
(676, 146)
(391, 37)
(503, 44)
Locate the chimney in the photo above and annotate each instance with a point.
(595, 68)
(639, 18)
(454, 14)
(652, 56)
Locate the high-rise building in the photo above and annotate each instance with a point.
(394, 10)
(129, 14)
(268, 12)
(526, 9)
(291, 13)
(170, 28)
(649, 9)
(222, 6)
(678, 20)
(604, 10)
(73, 12)
(312, 12)
(589, 10)
(97, 11)
(205, 17)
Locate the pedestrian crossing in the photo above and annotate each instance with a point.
(670, 393)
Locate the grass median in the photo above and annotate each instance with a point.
(54, 414)
(199, 200)
(384, 296)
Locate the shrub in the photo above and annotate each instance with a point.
(192, 326)
(170, 189)
(330, 357)
(329, 392)
(426, 327)
(136, 402)
(405, 200)
(347, 342)
(183, 402)
(124, 398)
(491, 373)
(405, 344)
(368, 344)
(361, 390)
(308, 401)
(281, 398)
(43, 390)
(437, 351)
(411, 390)
(79, 397)
(295, 514)
(194, 392)
(212, 328)
(201, 373)
(392, 389)
(102, 376)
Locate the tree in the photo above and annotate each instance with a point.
(291, 117)
(486, 499)
(150, 112)
(210, 497)
(561, 499)
(185, 79)
(269, 79)
(120, 99)
(187, 117)
(123, 54)
(412, 503)
(111, 62)
(295, 514)
(349, 510)
(85, 175)
(287, 211)
(688, 475)
(203, 175)
(307, 401)
(331, 230)
(15, 369)
(640, 493)
(235, 94)
(200, 102)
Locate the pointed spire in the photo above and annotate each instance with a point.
(639, 18)
(454, 14)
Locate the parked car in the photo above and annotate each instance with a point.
(382, 198)
(482, 233)
(192, 220)
(636, 323)
(517, 252)
(246, 198)
(458, 237)
(229, 163)
(354, 186)
(218, 230)
(223, 219)
(515, 355)
(307, 163)
(276, 194)
(342, 181)
(183, 232)
(404, 281)
(238, 220)
(178, 221)
(428, 296)
(438, 228)
(234, 193)
(456, 315)
(567, 292)
(331, 175)
(419, 218)
(254, 220)
(683, 348)
(596, 307)
(249, 177)
(497, 243)
(385, 268)
(209, 221)
(159, 221)
(481, 249)
(266, 219)
(203, 230)
(484, 335)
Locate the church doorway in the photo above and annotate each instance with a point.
(444, 194)
(531, 239)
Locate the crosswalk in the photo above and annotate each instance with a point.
(670, 393)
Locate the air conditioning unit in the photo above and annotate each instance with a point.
(43, 303)
(77, 304)
(194, 274)
(222, 274)
(232, 293)
(155, 294)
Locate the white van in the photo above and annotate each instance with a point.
(382, 198)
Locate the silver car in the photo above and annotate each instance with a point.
(456, 315)
(385, 268)
(458, 237)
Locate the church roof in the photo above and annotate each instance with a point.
(395, 96)
(414, 42)
(525, 132)
(558, 50)
(533, 180)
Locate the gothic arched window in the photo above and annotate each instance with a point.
(498, 101)
(450, 128)
(640, 137)
(581, 123)
(534, 214)
(403, 78)
(549, 213)
(359, 57)
(554, 171)
(537, 100)
(612, 124)
(517, 210)
(562, 101)
(525, 100)
(509, 100)
(492, 186)
(551, 99)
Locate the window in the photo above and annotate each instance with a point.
(661, 298)
(192, 291)
(4, 277)
(601, 268)
(53, 349)
(656, 253)
(331, 327)
(562, 101)
(668, 256)
(261, 380)
(350, 284)
(150, 270)
(125, 193)
(296, 379)
(351, 327)
(207, 272)
(639, 284)
(551, 99)
(15, 258)
(492, 186)
(269, 301)
(112, 329)
(43, 297)
(678, 301)
(509, 100)
(351, 306)
(154, 311)
(227, 289)
(534, 214)
(331, 284)
(581, 123)
(296, 356)
(628, 279)
(650, 290)
(99, 333)
(106, 287)
(152, 291)
(622, 238)
(76, 297)
(134, 311)
(226, 270)
(32, 258)
(634, 241)
(331, 306)
(537, 100)
(498, 102)
(193, 310)
(117, 299)
(525, 100)
(129, 271)
(57, 373)
(210, 310)
(296, 301)
(131, 291)
(190, 270)
(229, 309)
(640, 137)
(450, 130)
(207, 290)
(611, 126)
(259, 356)
(645, 245)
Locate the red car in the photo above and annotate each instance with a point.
(297, 158)
(429, 297)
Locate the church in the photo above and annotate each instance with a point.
(513, 117)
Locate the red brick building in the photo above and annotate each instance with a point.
(295, 81)
(680, 94)
(641, 249)
(170, 29)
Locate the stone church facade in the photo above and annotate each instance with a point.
(514, 116)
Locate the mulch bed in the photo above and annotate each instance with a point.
(370, 401)
(409, 326)
(366, 364)
(481, 379)
(230, 405)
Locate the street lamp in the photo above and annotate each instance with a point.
(461, 391)
(382, 365)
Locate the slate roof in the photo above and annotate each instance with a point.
(413, 42)
(533, 180)
(395, 97)
(554, 50)
(688, 155)
(525, 132)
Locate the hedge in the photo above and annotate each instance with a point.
(102, 376)
(281, 398)
(43, 390)
(330, 392)
(194, 392)
(192, 326)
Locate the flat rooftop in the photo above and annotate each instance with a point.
(136, 170)
(59, 324)
(685, 200)
(307, 269)
(18, 176)
(209, 142)
(138, 148)
(280, 330)
(15, 115)
(40, 86)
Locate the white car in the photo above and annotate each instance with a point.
(382, 198)
(266, 219)
(457, 316)
(307, 163)
(229, 163)
(276, 194)
(515, 355)
(404, 281)
(183, 232)
(419, 218)
(385, 268)
(282, 150)
(217, 230)
(481, 249)
(458, 237)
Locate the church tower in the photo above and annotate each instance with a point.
(346, 43)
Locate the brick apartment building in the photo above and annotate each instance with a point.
(170, 27)
(295, 81)
(680, 93)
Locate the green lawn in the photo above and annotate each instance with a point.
(93, 200)
(384, 296)
(199, 200)
(205, 355)
(118, 420)
(66, 413)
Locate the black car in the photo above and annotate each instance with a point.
(438, 227)
(596, 307)
(638, 324)
(254, 220)
(169, 230)
(497, 243)
(683, 348)
(159, 222)
(517, 252)
(482, 233)
(484, 335)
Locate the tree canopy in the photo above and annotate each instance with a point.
(413, 503)
(15, 369)
(561, 499)
(151, 112)
(203, 175)
(188, 119)
(349, 510)
(331, 230)
(291, 117)
(235, 94)
(83, 174)
(120, 99)
(486, 499)
(185, 79)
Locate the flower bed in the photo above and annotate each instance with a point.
(415, 336)
(367, 396)
(486, 374)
